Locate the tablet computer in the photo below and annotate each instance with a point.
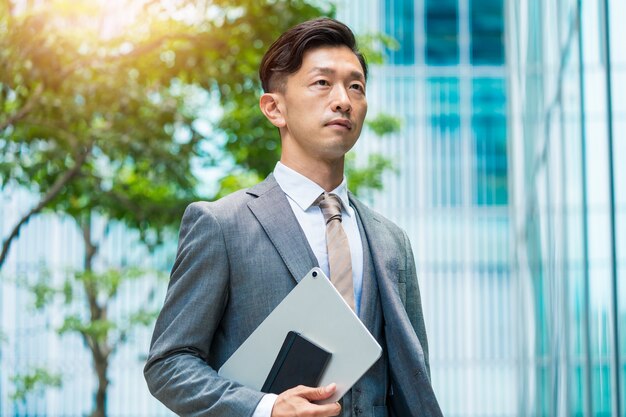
(317, 311)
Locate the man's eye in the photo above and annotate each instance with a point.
(358, 87)
(322, 82)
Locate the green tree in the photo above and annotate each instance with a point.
(75, 297)
(110, 113)
(35, 381)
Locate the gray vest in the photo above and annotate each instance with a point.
(367, 398)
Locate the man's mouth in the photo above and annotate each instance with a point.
(340, 122)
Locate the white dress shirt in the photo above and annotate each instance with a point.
(301, 193)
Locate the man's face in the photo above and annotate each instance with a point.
(323, 105)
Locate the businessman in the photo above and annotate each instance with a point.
(238, 257)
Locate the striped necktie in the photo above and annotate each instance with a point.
(339, 258)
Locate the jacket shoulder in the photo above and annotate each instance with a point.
(227, 204)
(231, 205)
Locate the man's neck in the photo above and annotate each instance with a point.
(326, 174)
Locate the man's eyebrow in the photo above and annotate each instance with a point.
(329, 71)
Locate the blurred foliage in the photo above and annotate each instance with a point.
(115, 104)
(100, 113)
(236, 181)
(33, 382)
(384, 124)
(66, 296)
(374, 45)
(364, 178)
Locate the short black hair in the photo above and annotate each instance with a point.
(285, 55)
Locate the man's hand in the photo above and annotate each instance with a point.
(296, 402)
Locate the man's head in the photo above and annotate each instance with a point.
(314, 78)
(284, 57)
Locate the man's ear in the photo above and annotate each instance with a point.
(271, 108)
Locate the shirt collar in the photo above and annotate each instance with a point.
(304, 191)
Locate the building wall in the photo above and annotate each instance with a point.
(567, 136)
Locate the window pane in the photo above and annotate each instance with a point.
(487, 27)
(489, 131)
(442, 31)
(398, 23)
(444, 124)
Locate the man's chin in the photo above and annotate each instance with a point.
(341, 143)
(335, 153)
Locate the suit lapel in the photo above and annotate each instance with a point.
(369, 296)
(375, 234)
(275, 215)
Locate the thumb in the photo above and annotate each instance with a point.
(319, 393)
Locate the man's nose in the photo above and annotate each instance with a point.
(341, 100)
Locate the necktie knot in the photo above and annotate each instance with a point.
(330, 204)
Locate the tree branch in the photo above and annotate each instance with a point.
(91, 249)
(155, 44)
(119, 341)
(56, 188)
(24, 110)
(138, 50)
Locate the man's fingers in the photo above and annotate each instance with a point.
(297, 401)
(319, 393)
(329, 409)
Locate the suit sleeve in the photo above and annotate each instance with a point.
(177, 370)
(414, 301)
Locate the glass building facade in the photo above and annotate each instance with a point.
(508, 180)
(568, 140)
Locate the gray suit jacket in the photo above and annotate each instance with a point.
(237, 259)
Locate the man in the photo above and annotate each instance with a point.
(240, 256)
